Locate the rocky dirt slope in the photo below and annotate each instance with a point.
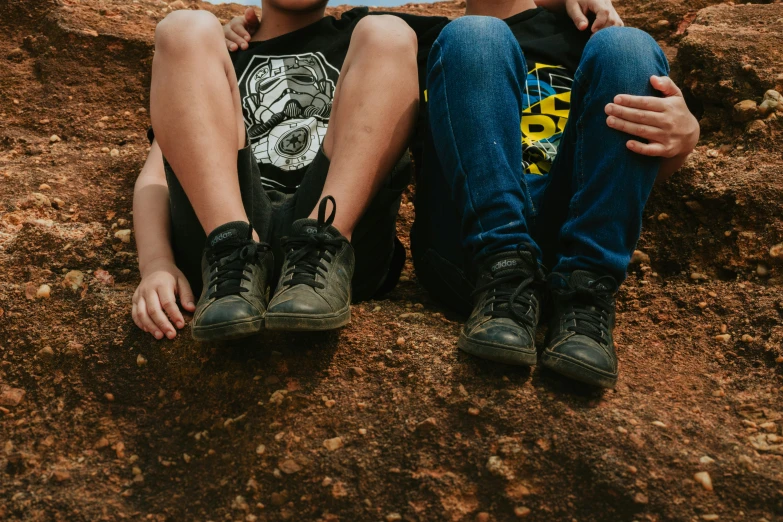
(384, 420)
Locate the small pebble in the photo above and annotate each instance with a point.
(426, 425)
(706, 460)
(123, 235)
(641, 498)
(659, 424)
(663, 216)
(260, 449)
(74, 280)
(46, 351)
(44, 292)
(61, 476)
(724, 338)
(54, 138)
(362, 431)
(638, 257)
(44, 186)
(109, 396)
(326, 482)
(710, 517)
(521, 511)
(11, 396)
(114, 153)
(474, 411)
(333, 444)
(747, 338)
(141, 360)
(400, 341)
(745, 110)
(393, 517)
(704, 479)
(289, 466)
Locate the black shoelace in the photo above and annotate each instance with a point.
(514, 304)
(588, 308)
(228, 263)
(308, 253)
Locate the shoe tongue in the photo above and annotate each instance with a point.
(585, 279)
(228, 233)
(500, 264)
(309, 227)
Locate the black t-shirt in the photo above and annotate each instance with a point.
(287, 87)
(553, 47)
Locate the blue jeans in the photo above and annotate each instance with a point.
(473, 198)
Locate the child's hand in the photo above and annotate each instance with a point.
(240, 29)
(604, 11)
(155, 303)
(666, 123)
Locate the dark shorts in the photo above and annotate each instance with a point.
(379, 254)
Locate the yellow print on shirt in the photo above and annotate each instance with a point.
(546, 102)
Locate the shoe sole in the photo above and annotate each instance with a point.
(308, 322)
(495, 352)
(228, 331)
(578, 371)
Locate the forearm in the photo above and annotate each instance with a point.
(151, 216)
(669, 166)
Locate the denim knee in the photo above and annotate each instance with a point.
(626, 54)
(472, 45)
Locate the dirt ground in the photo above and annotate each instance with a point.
(386, 419)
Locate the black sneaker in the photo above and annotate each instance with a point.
(580, 342)
(314, 292)
(502, 326)
(236, 271)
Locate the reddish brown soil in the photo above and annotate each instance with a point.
(98, 436)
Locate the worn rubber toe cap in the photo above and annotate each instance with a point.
(227, 310)
(583, 359)
(299, 300)
(510, 336)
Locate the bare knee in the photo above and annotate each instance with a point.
(387, 34)
(187, 30)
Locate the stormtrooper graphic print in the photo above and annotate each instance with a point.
(286, 102)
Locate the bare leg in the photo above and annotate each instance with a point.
(375, 105)
(193, 95)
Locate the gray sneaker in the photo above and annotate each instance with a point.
(314, 292)
(502, 326)
(235, 270)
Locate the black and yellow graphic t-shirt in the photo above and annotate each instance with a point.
(552, 46)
